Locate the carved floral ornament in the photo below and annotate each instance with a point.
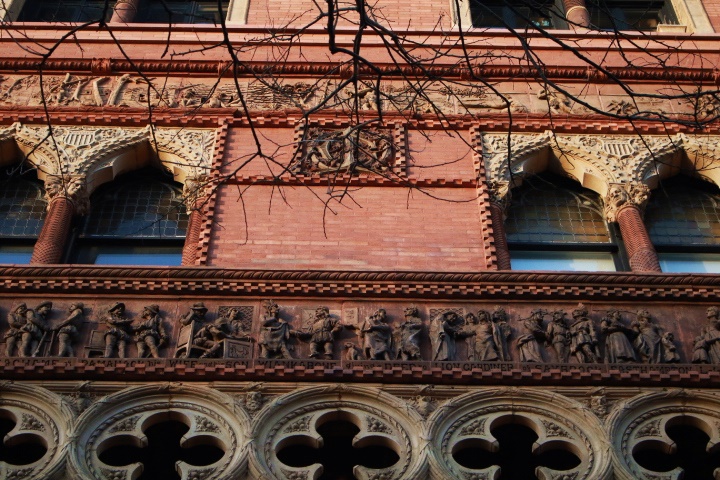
(611, 160)
(78, 150)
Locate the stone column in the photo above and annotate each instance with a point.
(499, 201)
(624, 204)
(67, 197)
(576, 13)
(124, 11)
(194, 193)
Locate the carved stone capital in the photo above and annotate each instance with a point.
(499, 193)
(621, 195)
(71, 187)
(194, 190)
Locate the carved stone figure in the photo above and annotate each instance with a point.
(502, 333)
(584, 341)
(480, 333)
(352, 352)
(68, 330)
(618, 348)
(322, 333)
(377, 336)
(648, 342)
(274, 333)
(408, 336)
(670, 353)
(196, 314)
(211, 336)
(445, 329)
(16, 320)
(558, 335)
(118, 333)
(709, 340)
(35, 330)
(150, 334)
(528, 344)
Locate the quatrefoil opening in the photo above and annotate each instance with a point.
(21, 445)
(339, 445)
(163, 445)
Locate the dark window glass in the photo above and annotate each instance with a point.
(555, 224)
(630, 15)
(137, 207)
(512, 14)
(175, 11)
(139, 219)
(65, 10)
(683, 220)
(22, 208)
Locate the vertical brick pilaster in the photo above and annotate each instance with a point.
(501, 247)
(640, 249)
(50, 244)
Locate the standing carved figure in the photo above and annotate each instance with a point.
(150, 334)
(377, 336)
(274, 333)
(445, 329)
(35, 330)
(480, 333)
(648, 342)
(68, 330)
(212, 335)
(528, 344)
(710, 339)
(618, 348)
(584, 342)
(670, 353)
(502, 333)
(408, 335)
(13, 337)
(118, 333)
(196, 314)
(558, 335)
(322, 333)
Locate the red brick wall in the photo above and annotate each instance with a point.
(420, 14)
(712, 7)
(375, 228)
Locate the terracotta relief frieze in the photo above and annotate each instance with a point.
(357, 336)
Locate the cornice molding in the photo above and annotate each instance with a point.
(331, 70)
(223, 282)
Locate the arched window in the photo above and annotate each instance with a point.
(555, 224)
(139, 219)
(683, 221)
(22, 213)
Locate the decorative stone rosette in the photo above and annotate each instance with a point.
(642, 422)
(40, 417)
(560, 423)
(122, 418)
(382, 419)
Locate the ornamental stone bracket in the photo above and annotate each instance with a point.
(89, 151)
(596, 161)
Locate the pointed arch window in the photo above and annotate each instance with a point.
(683, 221)
(139, 219)
(555, 224)
(22, 213)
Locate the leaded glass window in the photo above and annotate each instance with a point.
(555, 224)
(180, 11)
(66, 10)
(683, 221)
(137, 208)
(139, 219)
(22, 208)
